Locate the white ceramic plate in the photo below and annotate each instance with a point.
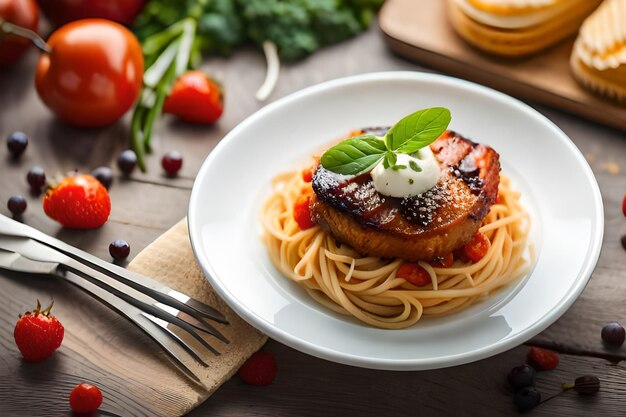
(558, 186)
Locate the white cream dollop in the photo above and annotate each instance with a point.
(407, 182)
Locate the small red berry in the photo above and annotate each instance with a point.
(259, 369)
(85, 398)
(38, 334)
(172, 162)
(542, 359)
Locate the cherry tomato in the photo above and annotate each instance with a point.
(302, 212)
(414, 274)
(93, 74)
(477, 248)
(85, 398)
(61, 12)
(23, 13)
(195, 98)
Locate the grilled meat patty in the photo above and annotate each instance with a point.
(421, 227)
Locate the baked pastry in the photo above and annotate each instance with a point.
(598, 58)
(516, 28)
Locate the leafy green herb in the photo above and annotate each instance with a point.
(354, 155)
(408, 136)
(414, 166)
(418, 130)
(390, 160)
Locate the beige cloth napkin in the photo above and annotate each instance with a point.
(170, 260)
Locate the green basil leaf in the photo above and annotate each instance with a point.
(390, 160)
(354, 155)
(418, 130)
(414, 166)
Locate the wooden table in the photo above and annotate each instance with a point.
(146, 205)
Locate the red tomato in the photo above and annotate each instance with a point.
(624, 205)
(307, 174)
(23, 13)
(93, 74)
(85, 398)
(195, 98)
(65, 11)
(302, 212)
(477, 248)
(414, 274)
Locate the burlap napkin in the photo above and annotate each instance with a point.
(170, 260)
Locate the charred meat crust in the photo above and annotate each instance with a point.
(420, 227)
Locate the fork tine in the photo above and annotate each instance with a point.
(173, 298)
(196, 322)
(199, 306)
(189, 348)
(104, 281)
(154, 331)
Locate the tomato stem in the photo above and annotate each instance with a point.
(10, 28)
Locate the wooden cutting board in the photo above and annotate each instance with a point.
(420, 30)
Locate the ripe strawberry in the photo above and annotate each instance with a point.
(542, 359)
(38, 334)
(259, 369)
(79, 202)
(85, 398)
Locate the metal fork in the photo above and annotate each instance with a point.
(149, 308)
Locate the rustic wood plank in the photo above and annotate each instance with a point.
(314, 387)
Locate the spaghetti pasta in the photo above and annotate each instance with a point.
(367, 287)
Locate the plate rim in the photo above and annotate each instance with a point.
(506, 343)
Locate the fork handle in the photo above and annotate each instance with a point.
(154, 289)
